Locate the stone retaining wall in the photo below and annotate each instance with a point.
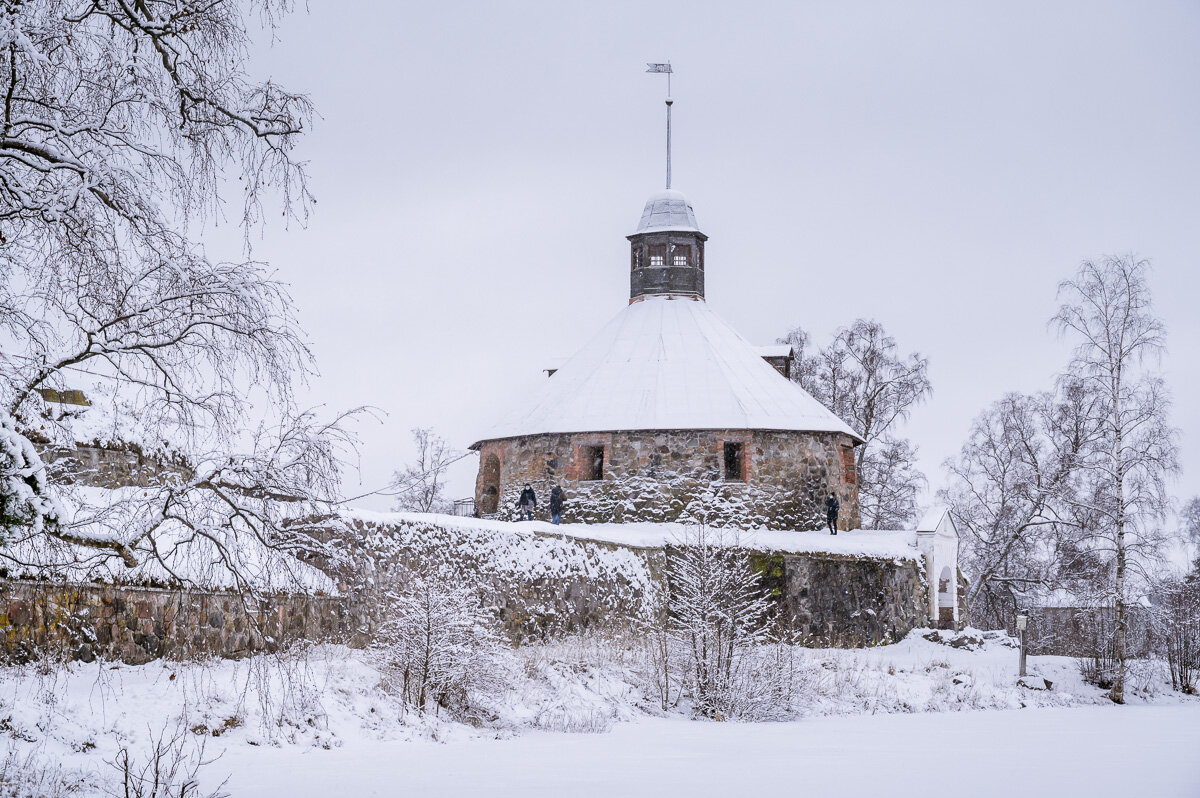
(542, 585)
(847, 602)
(137, 624)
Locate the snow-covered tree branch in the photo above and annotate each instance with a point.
(124, 125)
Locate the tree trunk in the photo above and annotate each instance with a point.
(1119, 616)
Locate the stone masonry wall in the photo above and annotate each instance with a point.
(676, 476)
(541, 584)
(851, 601)
(115, 466)
(137, 624)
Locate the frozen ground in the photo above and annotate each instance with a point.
(919, 717)
(1125, 752)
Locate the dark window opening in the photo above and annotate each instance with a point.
(658, 256)
(637, 259)
(593, 462)
(733, 463)
(680, 256)
(552, 466)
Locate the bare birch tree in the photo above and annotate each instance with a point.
(889, 467)
(1010, 490)
(421, 485)
(122, 122)
(1191, 521)
(1107, 312)
(865, 380)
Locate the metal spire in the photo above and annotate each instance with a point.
(667, 69)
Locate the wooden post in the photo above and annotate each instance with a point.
(1022, 623)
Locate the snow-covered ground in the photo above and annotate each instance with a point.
(1130, 752)
(916, 718)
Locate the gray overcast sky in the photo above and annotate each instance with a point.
(939, 167)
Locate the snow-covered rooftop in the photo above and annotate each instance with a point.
(932, 518)
(668, 210)
(665, 363)
(776, 350)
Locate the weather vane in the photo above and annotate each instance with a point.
(667, 69)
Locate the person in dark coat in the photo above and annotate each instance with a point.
(831, 513)
(526, 504)
(556, 505)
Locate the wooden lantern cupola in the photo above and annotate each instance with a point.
(667, 250)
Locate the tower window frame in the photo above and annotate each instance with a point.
(658, 256)
(734, 461)
(593, 462)
(681, 256)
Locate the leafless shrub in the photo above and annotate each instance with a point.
(170, 768)
(1176, 620)
(439, 648)
(574, 720)
(31, 774)
(719, 613)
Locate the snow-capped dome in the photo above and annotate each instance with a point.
(667, 364)
(667, 210)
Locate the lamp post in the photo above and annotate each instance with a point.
(1022, 623)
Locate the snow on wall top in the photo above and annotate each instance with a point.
(664, 363)
(886, 545)
(890, 545)
(667, 210)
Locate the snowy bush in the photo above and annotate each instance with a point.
(718, 613)
(32, 774)
(438, 647)
(25, 499)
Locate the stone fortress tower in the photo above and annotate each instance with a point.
(668, 414)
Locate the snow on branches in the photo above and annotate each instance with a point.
(121, 120)
(25, 499)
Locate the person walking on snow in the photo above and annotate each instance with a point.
(556, 505)
(831, 513)
(526, 504)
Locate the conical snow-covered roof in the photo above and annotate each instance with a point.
(667, 363)
(667, 211)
